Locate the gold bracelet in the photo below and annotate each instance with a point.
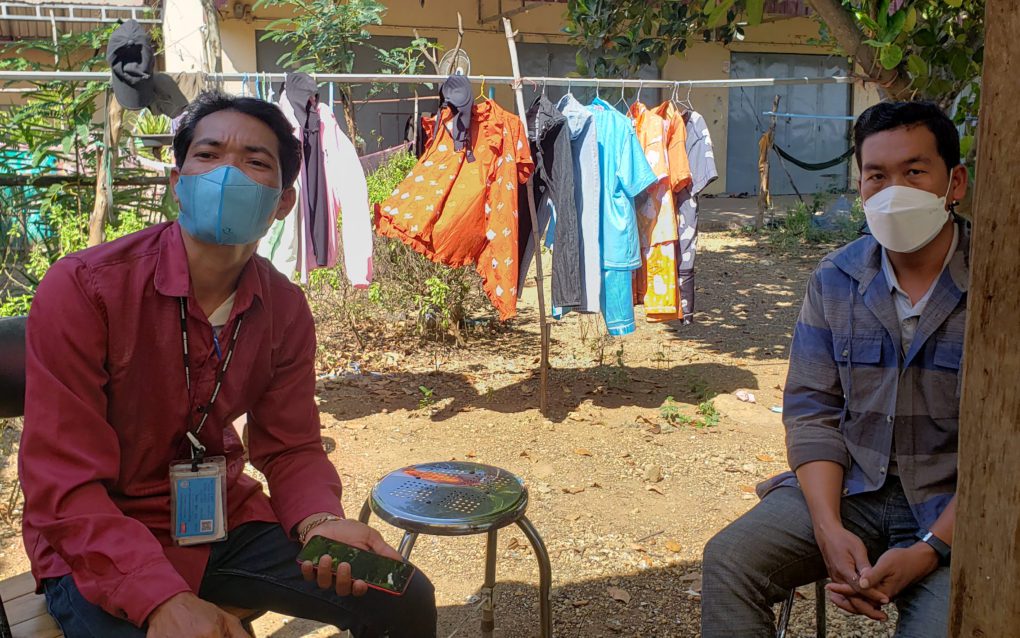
(303, 533)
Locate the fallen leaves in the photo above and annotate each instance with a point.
(582, 451)
(673, 546)
(653, 488)
(765, 458)
(573, 489)
(617, 593)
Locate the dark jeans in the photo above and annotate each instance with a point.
(754, 562)
(256, 568)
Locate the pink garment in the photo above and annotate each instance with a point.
(347, 194)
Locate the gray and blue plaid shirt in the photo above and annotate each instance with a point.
(851, 389)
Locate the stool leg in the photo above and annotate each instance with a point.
(407, 544)
(820, 597)
(544, 574)
(488, 603)
(366, 512)
(784, 614)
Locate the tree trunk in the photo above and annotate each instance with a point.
(986, 548)
(849, 38)
(350, 117)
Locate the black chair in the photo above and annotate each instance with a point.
(12, 393)
(12, 367)
(784, 611)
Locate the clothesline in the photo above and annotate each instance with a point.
(503, 80)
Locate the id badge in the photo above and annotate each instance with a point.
(198, 495)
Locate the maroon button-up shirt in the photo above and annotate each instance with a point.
(107, 408)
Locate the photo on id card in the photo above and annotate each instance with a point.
(197, 499)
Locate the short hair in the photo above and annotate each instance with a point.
(210, 102)
(886, 116)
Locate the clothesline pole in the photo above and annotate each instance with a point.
(539, 279)
(503, 80)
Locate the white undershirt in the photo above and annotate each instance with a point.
(221, 315)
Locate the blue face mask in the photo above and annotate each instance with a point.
(225, 206)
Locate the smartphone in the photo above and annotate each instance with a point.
(378, 572)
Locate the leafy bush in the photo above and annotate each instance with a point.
(408, 288)
(796, 228)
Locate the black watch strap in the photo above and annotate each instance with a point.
(943, 550)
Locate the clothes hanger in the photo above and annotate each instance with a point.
(544, 82)
(623, 98)
(570, 87)
(687, 103)
(641, 85)
(481, 92)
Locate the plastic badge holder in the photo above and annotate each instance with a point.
(198, 494)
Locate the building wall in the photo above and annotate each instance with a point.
(486, 44)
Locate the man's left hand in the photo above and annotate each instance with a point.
(895, 570)
(350, 533)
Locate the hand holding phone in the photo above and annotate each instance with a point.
(329, 557)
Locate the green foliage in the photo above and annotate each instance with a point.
(56, 126)
(427, 399)
(382, 182)
(796, 230)
(149, 123)
(15, 305)
(323, 36)
(708, 415)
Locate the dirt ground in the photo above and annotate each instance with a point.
(624, 500)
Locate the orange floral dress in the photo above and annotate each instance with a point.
(457, 212)
(663, 136)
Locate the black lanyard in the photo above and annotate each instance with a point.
(197, 449)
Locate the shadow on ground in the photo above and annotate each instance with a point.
(606, 387)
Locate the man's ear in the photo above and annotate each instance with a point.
(287, 200)
(958, 184)
(175, 176)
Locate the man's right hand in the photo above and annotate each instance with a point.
(845, 557)
(186, 614)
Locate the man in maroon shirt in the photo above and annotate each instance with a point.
(113, 390)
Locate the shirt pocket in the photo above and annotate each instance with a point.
(858, 358)
(945, 379)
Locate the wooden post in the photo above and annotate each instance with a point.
(764, 146)
(986, 547)
(104, 168)
(539, 279)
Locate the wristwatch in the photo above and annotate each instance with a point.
(944, 551)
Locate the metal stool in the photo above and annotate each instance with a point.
(784, 611)
(457, 498)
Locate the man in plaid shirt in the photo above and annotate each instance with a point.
(871, 404)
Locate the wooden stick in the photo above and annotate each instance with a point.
(539, 283)
(104, 167)
(765, 145)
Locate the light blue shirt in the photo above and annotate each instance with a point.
(625, 173)
(909, 313)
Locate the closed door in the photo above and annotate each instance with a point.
(810, 140)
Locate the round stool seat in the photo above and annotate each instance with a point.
(450, 498)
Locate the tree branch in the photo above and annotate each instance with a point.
(892, 84)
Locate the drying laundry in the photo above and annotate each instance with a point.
(332, 192)
(456, 211)
(624, 174)
(703, 172)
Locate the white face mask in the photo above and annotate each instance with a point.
(905, 219)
